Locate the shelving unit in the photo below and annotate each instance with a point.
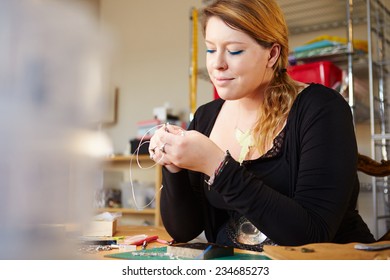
(315, 16)
(318, 16)
(127, 164)
(378, 28)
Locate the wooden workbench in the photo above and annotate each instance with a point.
(317, 251)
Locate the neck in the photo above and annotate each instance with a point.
(247, 112)
(250, 103)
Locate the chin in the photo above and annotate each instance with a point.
(228, 96)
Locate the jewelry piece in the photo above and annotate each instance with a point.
(248, 234)
(219, 169)
(162, 148)
(246, 141)
(166, 127)
(153, 150)
(244, 138)
(182, 132)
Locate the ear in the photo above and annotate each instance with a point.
(274, 53)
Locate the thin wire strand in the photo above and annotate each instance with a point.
(136, 153)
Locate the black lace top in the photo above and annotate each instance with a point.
(277, 145)
(238, 231)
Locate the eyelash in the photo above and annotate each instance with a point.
(231, 52)
(236, 52)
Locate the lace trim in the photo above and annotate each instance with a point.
(277, 145)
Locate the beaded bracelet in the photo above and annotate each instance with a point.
(219, 169)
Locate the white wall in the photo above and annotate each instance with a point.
(151, 60)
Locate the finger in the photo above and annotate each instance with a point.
(177, 130)
(158, 152)
(172, 139)
(162, 148)
(161, 159)
(152, 152)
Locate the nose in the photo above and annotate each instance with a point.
(219, 62)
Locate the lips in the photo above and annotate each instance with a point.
(221, 81)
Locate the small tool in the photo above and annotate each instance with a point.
(144, 245)
(169, 243)
(372, 247)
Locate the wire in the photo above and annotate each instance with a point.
(136, 156)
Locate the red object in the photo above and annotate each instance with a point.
(146, 128)
(147, 239)
(322, 72)
(216, 96)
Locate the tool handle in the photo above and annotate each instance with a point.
(147, 239)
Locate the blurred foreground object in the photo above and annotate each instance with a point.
(51, 98)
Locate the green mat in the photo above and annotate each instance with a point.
(159, 254)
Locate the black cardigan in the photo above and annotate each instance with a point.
(306, 194)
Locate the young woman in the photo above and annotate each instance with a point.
(273, 161)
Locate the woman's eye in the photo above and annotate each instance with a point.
(236, 52)
(210, 51)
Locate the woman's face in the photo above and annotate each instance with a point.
(238, 66)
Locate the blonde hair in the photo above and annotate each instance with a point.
(264, 21)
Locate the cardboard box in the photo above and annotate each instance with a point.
(101, 228)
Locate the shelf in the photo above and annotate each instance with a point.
(122, 162)
(313, 16)
(126, 158)
(338, 57)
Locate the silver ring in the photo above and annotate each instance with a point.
(152, 150)
(182, 133)
(162, 148)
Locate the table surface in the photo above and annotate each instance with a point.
(317, 251)
(132, 231)
(325, 251)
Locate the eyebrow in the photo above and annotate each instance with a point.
(228, 42)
